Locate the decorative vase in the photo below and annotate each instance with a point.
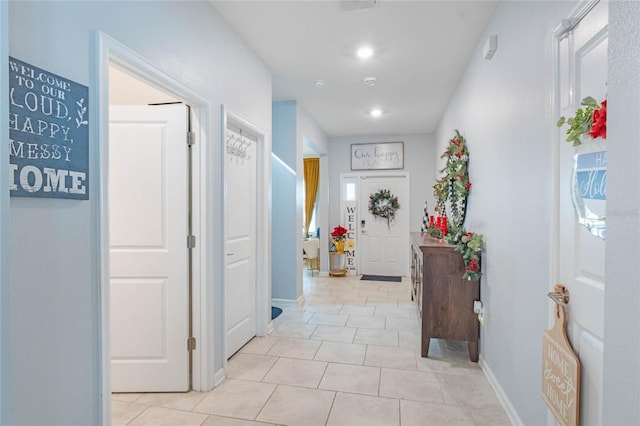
(339, 245)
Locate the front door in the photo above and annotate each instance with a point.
(383, 245)
(148, 224)
(241, 225)
(581, 255)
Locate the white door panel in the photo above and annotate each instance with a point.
(384, 248)
(241, 220)
(148, 220)
(583, 72)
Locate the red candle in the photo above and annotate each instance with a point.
(444, 226)
(439, 222)
(432, 221)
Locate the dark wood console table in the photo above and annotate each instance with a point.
(444, 298)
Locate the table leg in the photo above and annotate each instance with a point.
(424, 350)
(473, 350)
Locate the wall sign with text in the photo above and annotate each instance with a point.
(48, 134)
(350, 218)
(377, 156)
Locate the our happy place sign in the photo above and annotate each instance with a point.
(48, 134)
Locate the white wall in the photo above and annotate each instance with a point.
(622, 292)
(311, 134)
(54, 288)
(292, 127)
(419, 160)
(4, 214)
(286, 279)
(503, 107)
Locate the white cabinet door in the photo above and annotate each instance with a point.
(148, 221)
(384, 247)
(581, 257)
(241, 225)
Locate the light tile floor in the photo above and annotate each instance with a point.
(350, 356)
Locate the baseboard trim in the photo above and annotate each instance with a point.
(218, 377)
(502, 396)
(284, 303)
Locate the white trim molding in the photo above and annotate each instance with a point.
(107, 51)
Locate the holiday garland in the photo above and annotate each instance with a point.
(454, 186)
(383, 204)
(453, 189)
(470, 245)
(591, 120)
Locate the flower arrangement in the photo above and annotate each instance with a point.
(470, 246)
(591, 120)
(338, 237)
(383, 204)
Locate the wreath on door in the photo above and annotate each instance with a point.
(383, 204)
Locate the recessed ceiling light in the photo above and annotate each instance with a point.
(370, 81)
(365, 52)
(375, 113)
(319, 83)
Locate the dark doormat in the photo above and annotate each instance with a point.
(275, 312)
(381, 278)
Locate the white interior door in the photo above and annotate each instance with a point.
(241, 219)
(148, 221)
(383, 247)
(583, 72)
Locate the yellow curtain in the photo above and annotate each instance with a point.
(311, 179)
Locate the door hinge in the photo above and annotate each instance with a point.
(191, 138)
(191, 241)
(191, 344)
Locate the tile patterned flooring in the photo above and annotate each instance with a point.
(350, 356)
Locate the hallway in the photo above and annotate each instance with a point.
(349, 356)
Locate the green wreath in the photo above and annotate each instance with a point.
(383, 204)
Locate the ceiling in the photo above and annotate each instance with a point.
(420, 51)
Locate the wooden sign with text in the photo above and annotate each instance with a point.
(377, 156)
(560, 372)
(350, 218)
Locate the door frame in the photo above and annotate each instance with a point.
(107, 51)
(263, 221)
(372, 174)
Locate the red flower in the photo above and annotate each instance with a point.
(339, 231)
(467, 186)
(473, 266)
(599, 122)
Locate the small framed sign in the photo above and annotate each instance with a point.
(377, 156)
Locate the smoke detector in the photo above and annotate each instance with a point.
(319, 84)
(369, 81)
(347, 5)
